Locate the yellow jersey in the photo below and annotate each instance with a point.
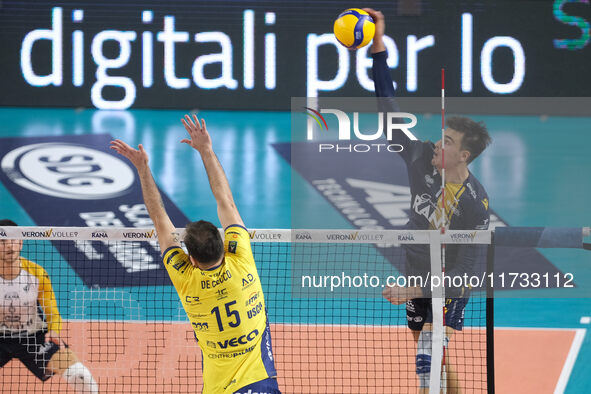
(22, 296)
(227, 311)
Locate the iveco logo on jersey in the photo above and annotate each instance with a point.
(242, 340)
(67, 170)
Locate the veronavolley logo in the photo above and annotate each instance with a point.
(68, 171)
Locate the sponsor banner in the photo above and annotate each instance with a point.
(269, 235)
(375, 195)
(466, 237)
(76, 181)
(256, 235)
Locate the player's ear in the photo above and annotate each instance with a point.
(193, 261)
(465, 155)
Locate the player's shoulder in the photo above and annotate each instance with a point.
(236, 229)
(33, 268)
(474, 188)
(477, 199)
(173, 253)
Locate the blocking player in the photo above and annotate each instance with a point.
(30, 322)
(466, 208)
(217, 281)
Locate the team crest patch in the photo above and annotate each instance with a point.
(232, 246)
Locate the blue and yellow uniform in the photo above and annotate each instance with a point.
(466, 208)
(226, 307)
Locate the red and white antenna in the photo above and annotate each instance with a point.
(444, 221)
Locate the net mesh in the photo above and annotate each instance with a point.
(134, 336)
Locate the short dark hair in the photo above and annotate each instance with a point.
(475, 137)
(204, 242)
(7, 222)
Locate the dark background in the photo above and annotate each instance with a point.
(549, 71)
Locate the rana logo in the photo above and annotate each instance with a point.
(406, 237)
(69, 171)
(303, 236)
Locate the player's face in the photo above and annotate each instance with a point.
(10, 250)
(454, 154)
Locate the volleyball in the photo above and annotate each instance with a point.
(354, 28)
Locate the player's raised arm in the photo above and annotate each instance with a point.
(201, 141)
(384, 86)
(152, 198)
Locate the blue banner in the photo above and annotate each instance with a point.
(78, 181)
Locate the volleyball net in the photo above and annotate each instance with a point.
(333, 329)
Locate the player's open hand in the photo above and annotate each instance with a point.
(200, 138)
(138, 157)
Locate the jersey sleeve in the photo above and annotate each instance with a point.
(384, 87)
(237, 242)
(178, 265)
(46, 297)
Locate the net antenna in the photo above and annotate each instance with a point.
(438, 299)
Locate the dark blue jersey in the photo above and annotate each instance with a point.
(466, 205)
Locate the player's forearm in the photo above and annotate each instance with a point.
(152, 198)
(217, 178)
(377, 44)
(381, 75)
